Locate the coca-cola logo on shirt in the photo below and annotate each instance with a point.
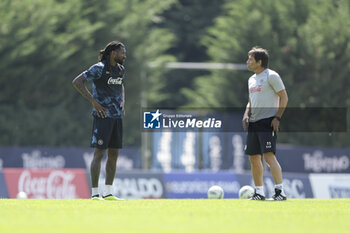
(115, 81)
(257, 88)
(56, 185)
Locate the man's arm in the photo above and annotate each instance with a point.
(122, 105)
(282, 106)
(246, 116)
(79, 84)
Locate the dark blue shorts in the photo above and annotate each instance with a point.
(261, 138)
(107, 133)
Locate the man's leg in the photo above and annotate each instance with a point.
(275, 167)
(111, 165)
(257, 173)
(276, 173)
(257, 169)
(95, 169)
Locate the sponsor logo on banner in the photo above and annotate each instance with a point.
(47, 184)
(139, 187)
(330, 185)
(196, 185)
(58, 158)
(295, 185)
(136, 185)
(35, 159)
(339, 192)
(124, 162)
(294, 188)
(318, 162)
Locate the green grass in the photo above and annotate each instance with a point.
(200, 215)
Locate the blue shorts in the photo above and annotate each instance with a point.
(107, 133)
(261, 138)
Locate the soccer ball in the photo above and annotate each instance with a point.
(215, 192)
(246, 192)
(21, 195)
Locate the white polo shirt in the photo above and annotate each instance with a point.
(262, 93)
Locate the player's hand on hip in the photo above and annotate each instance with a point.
(275, 124)
(101, 111)
(122, 107)
(245, 121)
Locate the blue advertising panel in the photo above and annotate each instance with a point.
(314, 159)
(295, 185)
(196, 185)
(136, 184)
(3, 187)
(47, 157)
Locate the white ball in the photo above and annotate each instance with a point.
(215, 192)
(21, 195)
(246, 192)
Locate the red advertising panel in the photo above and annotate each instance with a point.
(47, 183)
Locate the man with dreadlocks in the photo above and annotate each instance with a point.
(107, 99)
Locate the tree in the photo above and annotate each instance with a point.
(300, 36)
(49, 43)
(188, 20)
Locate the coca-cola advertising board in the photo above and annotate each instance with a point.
(47, 183)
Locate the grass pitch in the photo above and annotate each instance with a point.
(166, 215)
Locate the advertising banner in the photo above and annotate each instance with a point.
(314, 159)
(330, 185)
(57, 158)
(136, 185)
(295, 185)
(196, 185)
(47, 183)
(3, 187)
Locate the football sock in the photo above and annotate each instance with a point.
(260, 190)
(94, 191)
(108, 189)
(280, 187)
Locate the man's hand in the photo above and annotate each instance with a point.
(275, 124)
(101, 111)
(245, 121)
(122, 107)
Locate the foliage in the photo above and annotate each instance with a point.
(188, 20)
(309, 47)
(44, 44)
